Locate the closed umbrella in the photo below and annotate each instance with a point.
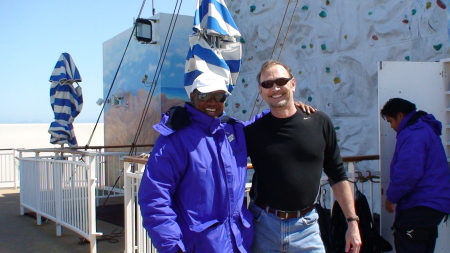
(66, 101)
(213, 46)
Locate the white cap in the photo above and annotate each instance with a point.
(207, 82)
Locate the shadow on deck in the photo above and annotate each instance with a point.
(20, 233)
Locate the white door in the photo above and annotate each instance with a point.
(425, 84)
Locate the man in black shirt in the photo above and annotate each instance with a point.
(289, 149)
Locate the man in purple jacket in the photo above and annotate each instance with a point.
(419, 188)
(192, 191)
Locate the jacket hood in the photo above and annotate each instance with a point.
(435, 124)
(178, 117)
(414, 119)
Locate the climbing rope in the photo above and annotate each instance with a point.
(115, 76)
(274, 46)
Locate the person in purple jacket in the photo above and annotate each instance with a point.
(192, 191)
(419, 188)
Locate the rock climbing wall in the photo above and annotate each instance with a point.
(333, 48)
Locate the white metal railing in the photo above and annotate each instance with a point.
(136, 239)
(9, 172)
(62, 190)
(109, 173)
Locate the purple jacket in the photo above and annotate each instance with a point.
(420, 175)
(192, 191)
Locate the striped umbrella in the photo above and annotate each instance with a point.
(66, 100)
(213, 46)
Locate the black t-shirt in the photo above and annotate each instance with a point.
(288, 155)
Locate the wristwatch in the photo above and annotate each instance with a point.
(355, 218)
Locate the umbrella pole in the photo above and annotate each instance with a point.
(62, 153)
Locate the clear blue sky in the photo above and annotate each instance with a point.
(33, 34)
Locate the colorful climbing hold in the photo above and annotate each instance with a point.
(374, 37)
(245, 85)
(300, 72)
(327, 69)
(407, 58)
(337, 80)
(428, 5)
(327, 2)
(337, 128)
(305, 8)
(244, 111)
(324, 47)
(413, 12)
(311, 45)
(242, 40)
(252, 8)
(323, 14)
(441, 4)
(226, 104)
(345, 36)
(370, 13)
(243, 80)
(303, 46)
(309, 99)
(437, 47)
(405, 21)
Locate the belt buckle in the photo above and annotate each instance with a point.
(281, 214)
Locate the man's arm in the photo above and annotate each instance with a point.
(344, 196)
(158, 185)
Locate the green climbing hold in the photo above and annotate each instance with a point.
(300, 72)
(345, 36)
(305, 8)
(407, 58)
(303, 46)
(311, 45)
(428, 5)
(226, 104)
(370, 13)
(327, 2)
(243, 80)
(337, 80)
(324, 47)
(309, 99)
(413, 12)
(242, 40)
(327, 69)
(244, 111)
(337, 128)
(323, 14)
(437, 47)
(252, 8)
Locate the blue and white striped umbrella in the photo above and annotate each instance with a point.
(213, 46)
(66, 100)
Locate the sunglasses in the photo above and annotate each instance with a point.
(219, 97)
(280, 82)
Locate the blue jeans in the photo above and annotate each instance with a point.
(273, 234)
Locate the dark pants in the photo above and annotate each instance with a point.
(416, 229)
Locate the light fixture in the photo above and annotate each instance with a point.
(119, 96)
(100, 101)
(144, 30)
(144, 80)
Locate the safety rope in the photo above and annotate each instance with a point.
(273, 49)
(157, 74)
(115, 76)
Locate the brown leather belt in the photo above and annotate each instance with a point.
(285, 214)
